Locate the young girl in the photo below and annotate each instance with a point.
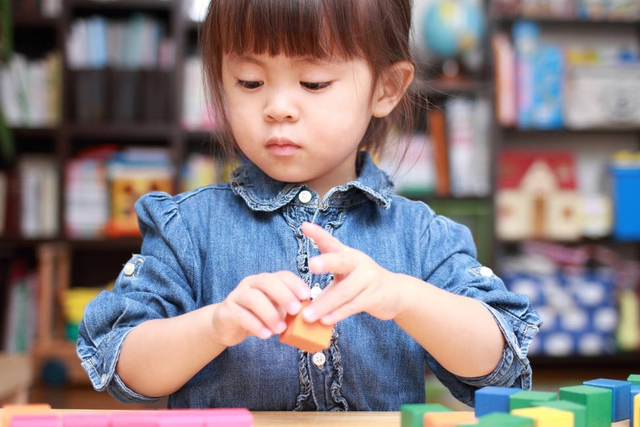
(303, 89)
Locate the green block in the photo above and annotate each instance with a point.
(412, 414)
(634, 379)
(579, 411)
(523, 399)
(597, 400)
(501, 419)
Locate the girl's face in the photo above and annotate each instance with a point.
(300, 120)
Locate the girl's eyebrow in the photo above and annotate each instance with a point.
(305, 60)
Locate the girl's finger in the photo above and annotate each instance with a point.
(250, 323)
(326, 242)
(256, 302)
(337, 263)
(335, 296)
(284, 288)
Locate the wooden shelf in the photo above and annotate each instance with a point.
(36, 132)
(123, 4)
(128, 132)
(34, 21)
(564, 20)
(614, 366)
(124, 243)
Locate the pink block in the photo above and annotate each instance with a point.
(34, 421)
(134, 419)
(228, 417)
(86, 420)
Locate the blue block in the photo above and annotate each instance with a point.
(493, 399)
(619, 391)
(635, 389)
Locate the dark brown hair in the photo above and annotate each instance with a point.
(374, 30)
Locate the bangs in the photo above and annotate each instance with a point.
(295, 28)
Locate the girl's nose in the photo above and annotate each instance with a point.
(281, 108)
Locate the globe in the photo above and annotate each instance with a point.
(452, 28)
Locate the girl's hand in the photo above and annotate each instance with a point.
(258, 306)
(359, 283)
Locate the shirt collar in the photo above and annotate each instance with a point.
(262, 193)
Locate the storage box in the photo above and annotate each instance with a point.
(626, 201)
(625, 173)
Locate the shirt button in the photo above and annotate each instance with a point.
(129, 268)
(304, 196)
(318, 359)
(486, 272)
(103, 379)
(315, 291)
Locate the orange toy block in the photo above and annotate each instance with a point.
(9, 411)
(306, 336)
(448, 419)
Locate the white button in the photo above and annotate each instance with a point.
(318, 359)
(486, 272)
(103, 378)
(315, 291)
(129, 268)
(304, 196)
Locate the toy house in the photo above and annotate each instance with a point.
(537, 196)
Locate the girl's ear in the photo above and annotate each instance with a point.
(391, 87)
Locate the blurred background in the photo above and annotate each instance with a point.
(531, 137)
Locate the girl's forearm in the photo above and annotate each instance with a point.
(159, 356)
(458, 331)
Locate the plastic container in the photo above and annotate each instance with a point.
(625, 172)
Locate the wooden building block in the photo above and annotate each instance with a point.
(596, 400)
(8, 411)
(635, 390)
(579, 411)
(229, 417)
(524, 398)
(41, 420)
(501, 419)
(306, 336)
(493, 399)
(448, 419)
(636, 411)
(620, 404)
(412, 414)
(135, 419)
(546, 417)
(634, 379)
(99, 419)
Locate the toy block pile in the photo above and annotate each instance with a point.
(594, 403)
(41, 415)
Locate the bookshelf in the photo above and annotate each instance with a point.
(593, 146)
(94, 261)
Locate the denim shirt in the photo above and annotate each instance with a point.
(197, 246)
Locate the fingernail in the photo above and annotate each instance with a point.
(304, 293)
(294, 307)
(309, 315)
(280, 327)
(264, 333)
(316, 264)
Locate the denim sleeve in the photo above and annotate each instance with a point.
(451, 265)
(155, 284)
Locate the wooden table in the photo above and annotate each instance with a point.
(328, 419)
(322, 419)
(15, 378)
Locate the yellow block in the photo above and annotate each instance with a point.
(9, 411)
(546, 417)
(448, 419)
(636, 411)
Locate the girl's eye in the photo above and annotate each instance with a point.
(315, 86)
(249, 84)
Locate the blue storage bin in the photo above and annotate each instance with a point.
(626, 202)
